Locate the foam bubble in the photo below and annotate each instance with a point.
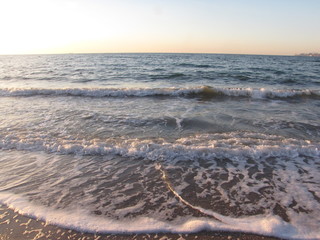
(79, 219)
(272, 176)
(205, 146)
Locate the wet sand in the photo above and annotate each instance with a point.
(14, 226)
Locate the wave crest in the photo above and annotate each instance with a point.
(206, 92)
(207, 146)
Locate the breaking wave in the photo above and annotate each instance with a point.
(205, 92)
(205, 146)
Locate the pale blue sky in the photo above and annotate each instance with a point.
(216, 26)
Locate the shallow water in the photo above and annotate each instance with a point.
(175, 142)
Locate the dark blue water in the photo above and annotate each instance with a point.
(175, 142)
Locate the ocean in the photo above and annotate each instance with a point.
(177, 143)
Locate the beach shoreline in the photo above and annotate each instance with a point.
(19, 227)
(212, 145)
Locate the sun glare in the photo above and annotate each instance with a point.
(48, 26)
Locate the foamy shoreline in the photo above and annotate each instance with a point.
(16, 226)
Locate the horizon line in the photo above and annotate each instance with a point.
(82, 53)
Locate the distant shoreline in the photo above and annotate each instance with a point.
(309, 55)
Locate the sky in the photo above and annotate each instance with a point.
(275, 27)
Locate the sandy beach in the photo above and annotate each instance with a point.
(14, 226)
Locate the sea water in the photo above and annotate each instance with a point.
(163, 142)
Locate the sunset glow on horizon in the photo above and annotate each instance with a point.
(246, 27)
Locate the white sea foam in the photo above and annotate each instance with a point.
(243, 150)
(200, 91)
(102, 92)
(204, 146)
(79, 219)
